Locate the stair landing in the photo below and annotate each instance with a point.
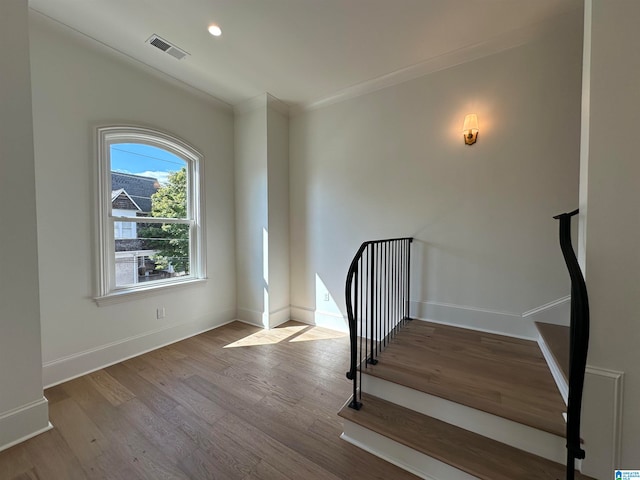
(501, 375)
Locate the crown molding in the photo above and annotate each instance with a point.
(500, 43)
(264, 100)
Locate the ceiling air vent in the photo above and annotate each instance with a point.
(167, 47)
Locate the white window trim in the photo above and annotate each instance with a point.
(113, 134)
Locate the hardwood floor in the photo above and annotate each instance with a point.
(232, 403)
(500, 375)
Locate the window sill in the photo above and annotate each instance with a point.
(121, 296)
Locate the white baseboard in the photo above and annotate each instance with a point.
(557, 312)
(279, 316)
(490, 321)
(258, 318)
(529, 439)
(311, 316)
(78, 364)
(302, 314)
(252, 317)
(22, 423)
(400, 455)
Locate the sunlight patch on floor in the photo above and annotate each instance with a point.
(267, 337)
(318, 333)
(293, 333)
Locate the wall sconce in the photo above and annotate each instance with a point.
(470, 129)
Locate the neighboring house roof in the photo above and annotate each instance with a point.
(137, 187)
(120, 199)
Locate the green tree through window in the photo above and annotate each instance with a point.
(169, 240)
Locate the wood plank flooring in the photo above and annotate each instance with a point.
(232, 403)
(501, 375)
(479, 456)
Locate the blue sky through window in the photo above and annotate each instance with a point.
(145, 160)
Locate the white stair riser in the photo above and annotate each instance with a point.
(523, 437)
(400, 455)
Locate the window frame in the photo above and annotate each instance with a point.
(106, 136)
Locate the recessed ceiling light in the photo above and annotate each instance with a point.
(215, 30)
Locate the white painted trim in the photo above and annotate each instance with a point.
(510, 324)
(279, 316)
(72, 366)
(609, 402)
(447, 60)
(320, 318)
(250, 104)
(483, 320)
(400, 455)
(302, 314)
(26, 437)
(277, 105)
(251, 317)
(331, 320)
(264, 100)
(546, 306)
(555, 369)
(121, 296)
(247, 323)
(24, 422)
(602, 421)
(105, 137)
(529, 439)
(557, 312)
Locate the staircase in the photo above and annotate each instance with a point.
(448, 403)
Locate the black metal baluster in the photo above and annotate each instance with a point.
(409, 280)
(396, 283)
(374, 287)
(377, 297)
(385, 296)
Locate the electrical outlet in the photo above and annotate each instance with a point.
(160, 313)
(326, 296)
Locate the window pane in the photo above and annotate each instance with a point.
(147, 181)
(160, 251)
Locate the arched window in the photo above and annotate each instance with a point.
(150, 229)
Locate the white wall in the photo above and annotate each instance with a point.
(393, 163)
(610, 191)
(78, 85)
(251, 211)
(23, 409)
(278, 211)
(262, 210)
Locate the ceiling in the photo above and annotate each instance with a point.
(300, 51)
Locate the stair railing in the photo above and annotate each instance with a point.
(579, 343)
(377, 297)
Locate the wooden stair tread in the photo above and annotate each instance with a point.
(557, 339)
(504, 376)
(467, 451)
